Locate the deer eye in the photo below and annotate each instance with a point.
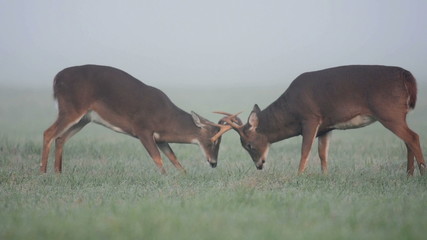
(249, 146)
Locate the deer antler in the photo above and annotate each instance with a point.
(225, 127)
(231, 119)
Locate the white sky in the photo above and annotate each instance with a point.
(196, 42)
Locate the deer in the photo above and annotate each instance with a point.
(113, 98)
(318, 102)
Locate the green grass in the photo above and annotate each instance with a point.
(111, 189)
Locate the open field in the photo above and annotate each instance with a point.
(111, 189)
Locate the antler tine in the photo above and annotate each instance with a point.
(223, 113)
(228, 114)
(231, 119)
(223, 129)
(232, 124)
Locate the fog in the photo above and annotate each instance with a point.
(208, 43)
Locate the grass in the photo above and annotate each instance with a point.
(111, 189)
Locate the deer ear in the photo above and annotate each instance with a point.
(198, 120)
(256, 109)
(253, 118)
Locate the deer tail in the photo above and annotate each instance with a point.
(55, 86)
(411, 88)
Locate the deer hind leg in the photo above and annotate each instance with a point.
(61, 125)
(150, 145)
(323, 148)
(412, 142)
(309, 132)
(410, 163)
(167, 150)
(60, 141)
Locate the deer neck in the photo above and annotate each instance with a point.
(277, 123)
(179, 128)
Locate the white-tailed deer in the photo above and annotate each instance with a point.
(336, 98)
(118, 101)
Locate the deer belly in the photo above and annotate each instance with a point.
(94, 117)
(356, 122)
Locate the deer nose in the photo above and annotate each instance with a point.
(212, 162)
(260, 164)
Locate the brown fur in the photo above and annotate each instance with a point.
(411, 86)
(336, 98)
(124, 104)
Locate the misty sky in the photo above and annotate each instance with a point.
(196, 42)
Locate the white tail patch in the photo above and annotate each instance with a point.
(407, 104)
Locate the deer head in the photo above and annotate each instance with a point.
(251, 139)
(209, 138)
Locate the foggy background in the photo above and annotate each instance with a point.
(208, 43)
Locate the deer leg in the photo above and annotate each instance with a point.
(48, 135)
(60, 141)
(150, 145)
(323, 148)
(412, 142)
(167, 150)
(62, 124)
(309, 132)
(410, 164)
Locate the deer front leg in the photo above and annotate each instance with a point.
(153, 151)
(309, 132)
(323, 148)
(167, 150)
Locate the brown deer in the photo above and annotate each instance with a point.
(116, 100)
(336, 98)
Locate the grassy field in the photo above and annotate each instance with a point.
(111, 189)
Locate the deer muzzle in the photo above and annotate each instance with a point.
(260, 164)
(212, 162)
